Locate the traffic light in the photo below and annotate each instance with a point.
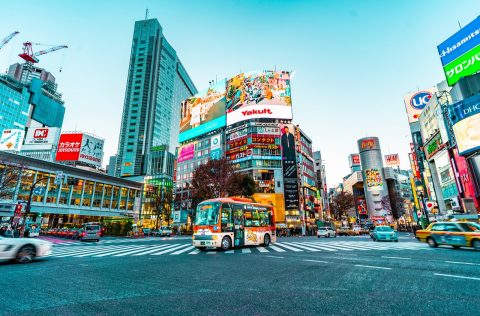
(18, 209)
(75, 181)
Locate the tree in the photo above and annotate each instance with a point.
(393, 203)
(241, 184)
(161, 203)
(341, 203)
(213, 179)
(10, 173)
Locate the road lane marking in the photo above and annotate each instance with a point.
(372, 267)
(467, 263)
(399, 258)
(296, 244)
(457, 276)
(246, 250)
(278, 249)
(196, 251)
(284, 246)
(319, 261)
(182, 250)
(72, 252)
(278, 257)
(138, 250)
(92, 253)
(230, 251)
(150, 250)
(140, 247)
(261, 249)
(171, 248)
(211, 253)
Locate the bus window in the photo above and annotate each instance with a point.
(227, 223)
(207, 214)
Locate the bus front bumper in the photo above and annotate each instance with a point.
(205, 241)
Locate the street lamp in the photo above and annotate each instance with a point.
(424, 206)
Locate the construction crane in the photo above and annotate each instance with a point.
(30, 57)
(7, 39)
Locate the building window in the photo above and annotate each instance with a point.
(87, 194)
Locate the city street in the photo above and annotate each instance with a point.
(338, 276)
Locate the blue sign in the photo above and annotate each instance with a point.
(203, 129)
(420, 100)
(460, 43)
(465, 117)
(466, 108)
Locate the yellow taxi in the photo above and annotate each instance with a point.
(455, 234)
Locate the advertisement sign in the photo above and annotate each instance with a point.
(275, 199)
(465, 117)
(42, 136)
(373, 179)
(204, 112)
(362, 207)
(464, 176)
(216, 142)
(12, 139)
(392, 160)
(354, 160)
(434, 145)
(263, 94)
(289, 165)
(460, 53)
(415, 102)
(69, 147)
(91, 151)
(368, 144)
(186, 152)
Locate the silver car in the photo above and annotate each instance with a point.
(326, 232)
(90, 232)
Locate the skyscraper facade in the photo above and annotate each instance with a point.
(157, 83)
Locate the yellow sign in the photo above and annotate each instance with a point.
(274, 199)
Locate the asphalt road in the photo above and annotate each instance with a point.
(301, 276)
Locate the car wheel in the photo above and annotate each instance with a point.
(431, 242)
(318, 236)
(456, 247)
(25, 254)
(476, 244)
(396, 240)
(328, 235)
(266, 240)
(226, 243)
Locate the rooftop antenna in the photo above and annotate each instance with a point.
(146, 14)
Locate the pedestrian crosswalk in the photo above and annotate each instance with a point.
(69, 242)
(174, 249)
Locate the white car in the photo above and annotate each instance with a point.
(23, 250)
(165, 231)
(326, 232)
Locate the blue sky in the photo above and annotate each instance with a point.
(353, 60)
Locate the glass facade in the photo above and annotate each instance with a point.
(14, 105)
(89, 194)
(156, 85)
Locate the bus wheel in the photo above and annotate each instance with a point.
(266, 240)
(226, 243)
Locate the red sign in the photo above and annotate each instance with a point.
(368, 143)
(69, 147)
(40, 133)
(355, 160)
(392, 160)
(237, 143)
(262, 139)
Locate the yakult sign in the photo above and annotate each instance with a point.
(416, 102)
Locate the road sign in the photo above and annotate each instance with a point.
(39, 191)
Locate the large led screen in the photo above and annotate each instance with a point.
(466, 124)
(204, 112)
(263, 94)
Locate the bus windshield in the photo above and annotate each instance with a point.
(207, 214)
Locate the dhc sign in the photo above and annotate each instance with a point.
(420, 100)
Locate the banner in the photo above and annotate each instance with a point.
(392, 160)
(373, 178)
(12, 139)
(289, 165)
(263, 94)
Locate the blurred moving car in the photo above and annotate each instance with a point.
(147, 232)
(90, 232)
(455, 234)
(23, 250)
(343, 231)
(356, 230)
(384, 233)
(165, 231)
(326, 232)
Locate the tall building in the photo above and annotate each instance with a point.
(14, 104)
(157, 83)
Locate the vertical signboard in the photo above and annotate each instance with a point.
(460, 53)
(216, 146)
(69, 147)
(289, 165)
(12, 139)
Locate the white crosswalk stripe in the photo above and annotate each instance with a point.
(293, 245)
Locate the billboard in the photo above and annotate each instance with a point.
(354, 160)
(289, 166)
(274, 199)
(373, 178)
(42, 138)
(69, 147)
(465, 117)
(12, 139)
(204, 112)
(80, 147)
(460, 53)
(186, 152)
(392, 160)
(264, 94)
(415, 102)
